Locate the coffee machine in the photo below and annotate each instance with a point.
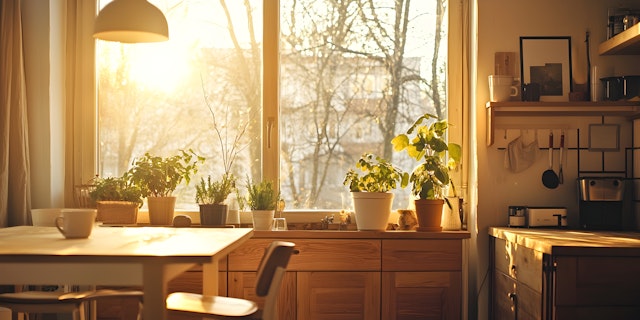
(602, 203)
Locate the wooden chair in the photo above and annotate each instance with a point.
(271, 270)
(30, 302)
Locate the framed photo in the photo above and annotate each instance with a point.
(547, 61)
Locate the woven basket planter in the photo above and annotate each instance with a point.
(117, 212)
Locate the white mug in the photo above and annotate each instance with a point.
(501, 88)
(76, 223)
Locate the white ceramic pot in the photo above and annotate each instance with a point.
(262, 219)
(372, 209)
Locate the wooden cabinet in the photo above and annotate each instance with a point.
(347, 275)
(362, 278)
(564, 275)
(518, 282)
(421, 279)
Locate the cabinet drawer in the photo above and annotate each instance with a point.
(504, 256)
(421, 255)
(520, 263)
(315, 255)
(514, 300)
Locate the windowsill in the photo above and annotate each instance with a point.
(292, 216)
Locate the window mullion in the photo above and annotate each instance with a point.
(270, 90)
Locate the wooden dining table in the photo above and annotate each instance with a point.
(139, 256)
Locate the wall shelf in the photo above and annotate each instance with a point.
(629, 109)
(624, 43)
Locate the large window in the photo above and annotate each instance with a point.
(352, 74)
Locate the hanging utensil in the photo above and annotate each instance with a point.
(560, 177)
(588, 68)
(549, 177)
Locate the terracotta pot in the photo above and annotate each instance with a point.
(429, 214)
(213, 214)
(161, 210)
(372, 209)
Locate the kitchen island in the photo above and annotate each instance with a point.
(564, 274)
(354, 274)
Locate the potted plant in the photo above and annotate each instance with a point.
(117, 200)
(262, 199)
(430, 180)
(370, 188)
(211, 195)
(157, 177)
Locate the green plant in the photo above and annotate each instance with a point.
(378, 175)
(215, 192)
(262, 195)
(158, 177)
(115, 189)
(426, 143)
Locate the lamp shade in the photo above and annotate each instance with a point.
(131, 21)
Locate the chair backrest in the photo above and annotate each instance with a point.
(276, 256)
(270, 274)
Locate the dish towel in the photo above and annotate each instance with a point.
(520, 155)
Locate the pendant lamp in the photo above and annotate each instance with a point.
(131, 21)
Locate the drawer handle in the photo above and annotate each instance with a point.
(513, 270)
(514, 300)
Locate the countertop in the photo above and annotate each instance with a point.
(572, 242)
(330, 234)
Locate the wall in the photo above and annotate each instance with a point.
(500, 24)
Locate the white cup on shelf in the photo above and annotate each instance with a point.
(501, 88)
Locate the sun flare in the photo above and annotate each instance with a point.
(159, 66)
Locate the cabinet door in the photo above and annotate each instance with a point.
(338, 295)
(242, 285)
(421, 295)
(597, 287)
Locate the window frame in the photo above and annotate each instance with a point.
(456, 65)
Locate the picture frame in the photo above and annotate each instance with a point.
(547, 61)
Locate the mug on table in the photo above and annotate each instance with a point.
(76, 223)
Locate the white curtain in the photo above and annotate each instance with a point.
(15, 197)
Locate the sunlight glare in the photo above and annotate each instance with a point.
(159, 66)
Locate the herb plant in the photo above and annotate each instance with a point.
(374, 174)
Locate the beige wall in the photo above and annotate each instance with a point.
(500, 24)
(43, 62)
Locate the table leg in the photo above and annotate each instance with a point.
(155, 291)
(210, 278)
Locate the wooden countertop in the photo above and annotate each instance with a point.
(572, 242)
(325, 234)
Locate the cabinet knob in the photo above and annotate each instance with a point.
(513, 269)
